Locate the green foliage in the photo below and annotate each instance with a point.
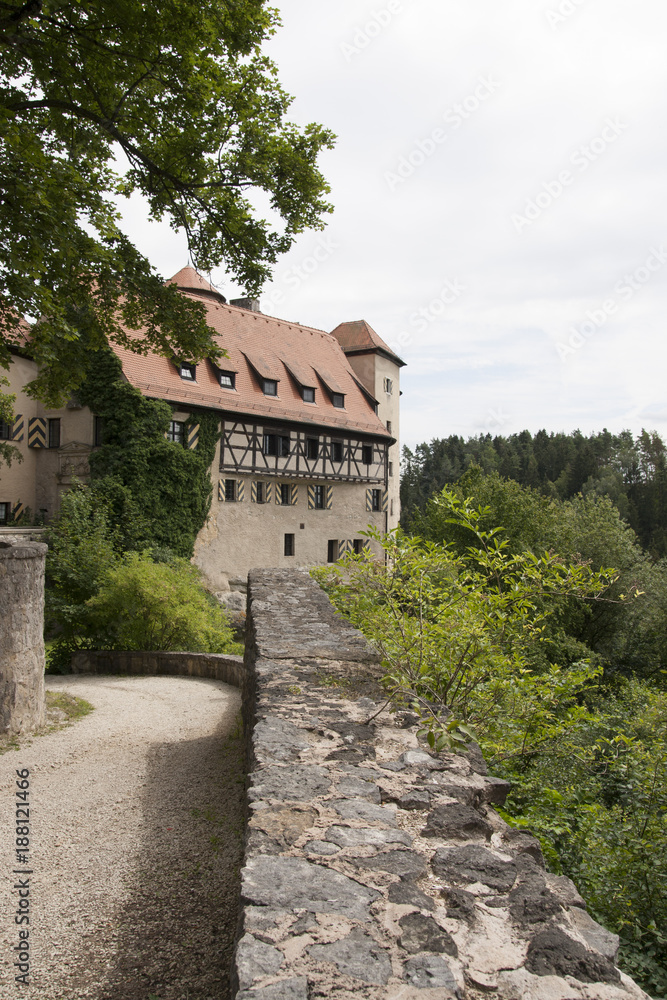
(458, 633)
(631, 473)
(159, 492)
(175, 102)
(142, 604)
(8, 452)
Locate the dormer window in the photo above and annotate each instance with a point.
(308, 395)
(269, 387)
(188, 372)
(227, 380)
(338, 400)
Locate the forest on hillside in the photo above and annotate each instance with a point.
(523, 605)
(631, 471)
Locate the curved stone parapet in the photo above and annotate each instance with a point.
(373, 867)
(21, 636)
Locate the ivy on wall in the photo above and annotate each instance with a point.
(159, 491)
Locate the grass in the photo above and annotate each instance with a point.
(61, 710)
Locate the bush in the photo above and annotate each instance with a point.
(149, 605)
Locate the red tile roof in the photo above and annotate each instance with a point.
(358, 335)
(255, 341)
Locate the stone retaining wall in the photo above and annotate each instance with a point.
(375, 869)
(215, 666)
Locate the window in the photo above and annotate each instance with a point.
(312, 447)
(308, 395)
(188, 372)
(5, 509)
(390, 468)
(5, 431)
(285, 494)
(332, 550)
(389, 426)
(388, 386)
(227, 380)
(269, 387)
(261, 492)
(376, 499)
(367, 454)
(336, 451)
(277, 444)
(230, 491)
(338, 399)
(176, 431)
(54, 432)
(98, 431)
(318, 497)
(289, 545)
(358, 546)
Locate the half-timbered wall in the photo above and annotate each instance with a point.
(289, 452)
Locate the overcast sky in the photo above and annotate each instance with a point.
(500, 215)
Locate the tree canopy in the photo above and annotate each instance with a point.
(175, 102)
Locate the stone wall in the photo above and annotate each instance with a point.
(21, 636)
(215, 666)
(376, 869)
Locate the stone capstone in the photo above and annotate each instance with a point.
(287, 989)
(298, 783)
(457, 821)
(255, 959)
(552, 952)
(422, 933)
(357, 955)
(358, 788)
(430, 972)
(276, 739)
(296, 884)
(350, 836)
(469, 864)
(408, 895)
(406, 864)
(321, 847)
(285, 825)
(415, 799)
(363, 810)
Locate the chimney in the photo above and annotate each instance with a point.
(251, 304)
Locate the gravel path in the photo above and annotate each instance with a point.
(136, 838)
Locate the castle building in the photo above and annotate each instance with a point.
(308, 455)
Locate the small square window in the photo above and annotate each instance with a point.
(5, 509)
(227, 380)
(5, 431)
(318, 497)
(54, 432)
(276, 444)
(269, 387)
(285, 494)
(338, 400)
(308, 395)
(188, 372)
(312, 447)
(230, 491)
(367, 454)
(289, 544)
(336, 451)
(176, 432)
(376, 500)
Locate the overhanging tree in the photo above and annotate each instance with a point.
(174, 101)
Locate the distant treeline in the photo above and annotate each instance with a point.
(631, 471)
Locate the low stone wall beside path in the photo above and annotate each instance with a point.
(215, 666)
(375, 869)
